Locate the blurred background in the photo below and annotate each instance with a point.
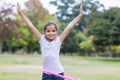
(90, 52)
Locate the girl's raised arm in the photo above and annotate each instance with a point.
(36, 33)
(66, 31)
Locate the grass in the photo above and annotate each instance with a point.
(19, 76)
(28, 67)
(20, 59)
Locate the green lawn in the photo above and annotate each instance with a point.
(28, 67)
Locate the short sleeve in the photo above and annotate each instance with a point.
(59, 39)
(40, 41)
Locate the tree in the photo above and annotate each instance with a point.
(87, 44)
(105, 27)
(7, 25)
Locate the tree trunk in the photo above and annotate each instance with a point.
(110, 52)
(96, 53)
(10, 50)
(0, 47)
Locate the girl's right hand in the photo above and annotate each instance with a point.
(19, 8)
(81, 10)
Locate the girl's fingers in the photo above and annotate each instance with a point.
(18, 8)
(81, 10)
(18, 5)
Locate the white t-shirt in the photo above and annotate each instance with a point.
(50, 54)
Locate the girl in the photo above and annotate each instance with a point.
(50, 43)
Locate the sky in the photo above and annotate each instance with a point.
(52, 9)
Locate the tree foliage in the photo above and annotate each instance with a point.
(7, 25)
(106, 28)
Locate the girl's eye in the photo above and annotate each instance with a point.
(53, 30)
(48, 30)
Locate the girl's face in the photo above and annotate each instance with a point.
(50, 33)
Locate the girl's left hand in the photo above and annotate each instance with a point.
(81, 11)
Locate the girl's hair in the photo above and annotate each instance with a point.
(49, 24)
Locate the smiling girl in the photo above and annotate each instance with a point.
(50, 43)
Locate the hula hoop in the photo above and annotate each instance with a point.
(65, 77)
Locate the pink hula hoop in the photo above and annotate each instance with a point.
(65, 77)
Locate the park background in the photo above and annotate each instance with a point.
(91, 51)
